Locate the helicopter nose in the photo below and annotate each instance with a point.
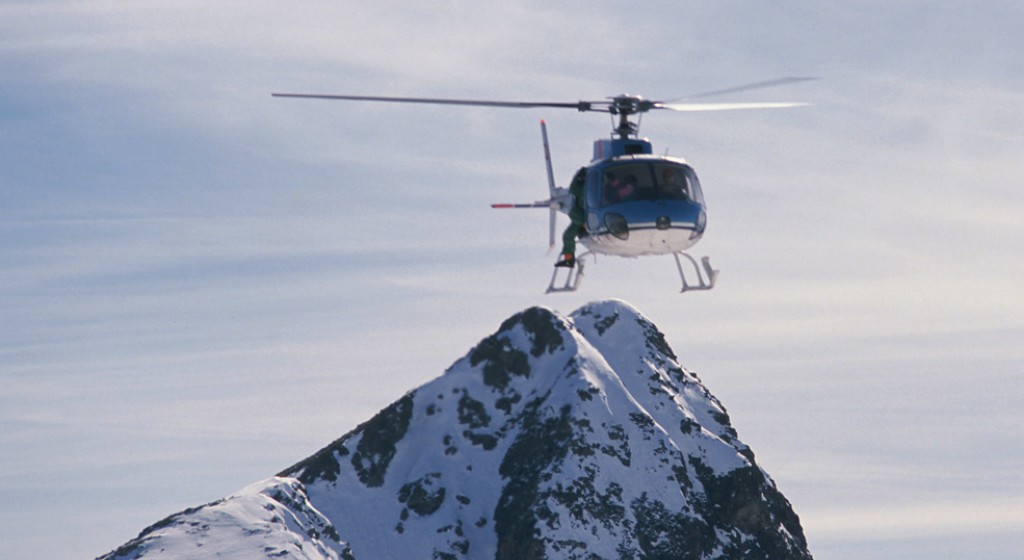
(663, 222)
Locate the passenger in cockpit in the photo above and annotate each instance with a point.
(616, 190)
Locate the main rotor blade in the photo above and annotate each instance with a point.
(723, 106)
(580, 105)
(755, 85)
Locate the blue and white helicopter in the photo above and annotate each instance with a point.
(628, 201)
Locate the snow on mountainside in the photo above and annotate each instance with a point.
(555, 437)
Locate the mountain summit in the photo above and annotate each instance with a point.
(555, 437)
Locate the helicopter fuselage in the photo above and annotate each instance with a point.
(637, 203)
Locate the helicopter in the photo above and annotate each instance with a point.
(627, 201)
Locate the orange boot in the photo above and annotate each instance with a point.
(568, 260)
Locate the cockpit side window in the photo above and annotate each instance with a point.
(695, 193)
(593, 188)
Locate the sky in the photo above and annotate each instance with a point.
(201, 285)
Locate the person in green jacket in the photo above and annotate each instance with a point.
(577, 217)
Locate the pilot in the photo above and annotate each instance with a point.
(671, 184)
(577, 215)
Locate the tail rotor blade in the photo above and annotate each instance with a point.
(551, 185)
(551, 229)
(547, 158)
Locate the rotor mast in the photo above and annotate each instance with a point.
(625, 105)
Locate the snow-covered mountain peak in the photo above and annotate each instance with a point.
(576, 436)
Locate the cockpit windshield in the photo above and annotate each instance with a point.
(649, 181)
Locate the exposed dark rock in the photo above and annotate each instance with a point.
(423, 496)
(376, 447)
(380, 439)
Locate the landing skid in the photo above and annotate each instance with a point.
(705, 280)
(573, 276)
(706, 275)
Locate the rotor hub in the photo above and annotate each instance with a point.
(625, 105)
